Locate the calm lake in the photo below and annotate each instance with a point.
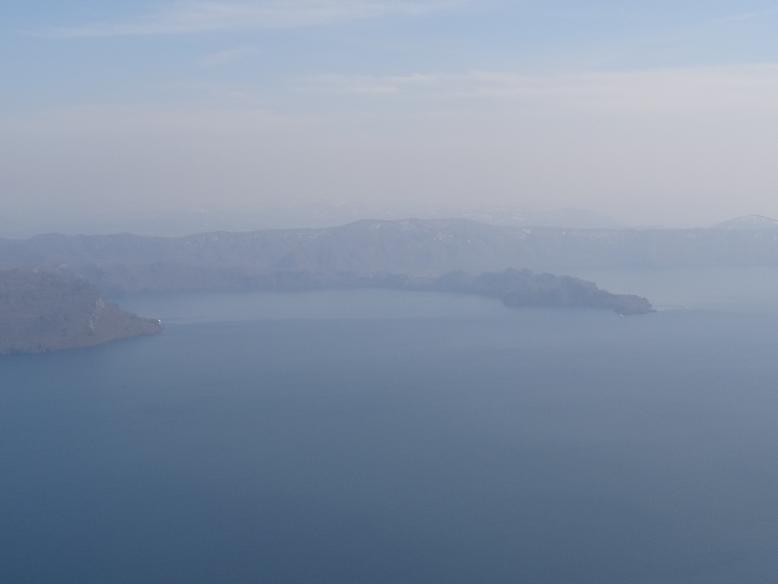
(396, 438)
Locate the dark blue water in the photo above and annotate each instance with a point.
(424, 439)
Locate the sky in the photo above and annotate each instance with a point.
(178, 116)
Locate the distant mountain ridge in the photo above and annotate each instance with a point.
(567, 218)
(415, 247)
(749, 222)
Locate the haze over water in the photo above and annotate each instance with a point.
(484, 153)
(389, 437)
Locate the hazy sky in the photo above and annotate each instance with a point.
(171, 116)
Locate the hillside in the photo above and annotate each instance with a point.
(129, 263)
(42, 311)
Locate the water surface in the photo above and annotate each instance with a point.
(375, 437)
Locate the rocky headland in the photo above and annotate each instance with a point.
(43, 311)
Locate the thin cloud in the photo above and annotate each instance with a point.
(228, 56)
(737, 88)
(190, 17)
(746, 16)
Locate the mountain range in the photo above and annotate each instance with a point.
(133, 263)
